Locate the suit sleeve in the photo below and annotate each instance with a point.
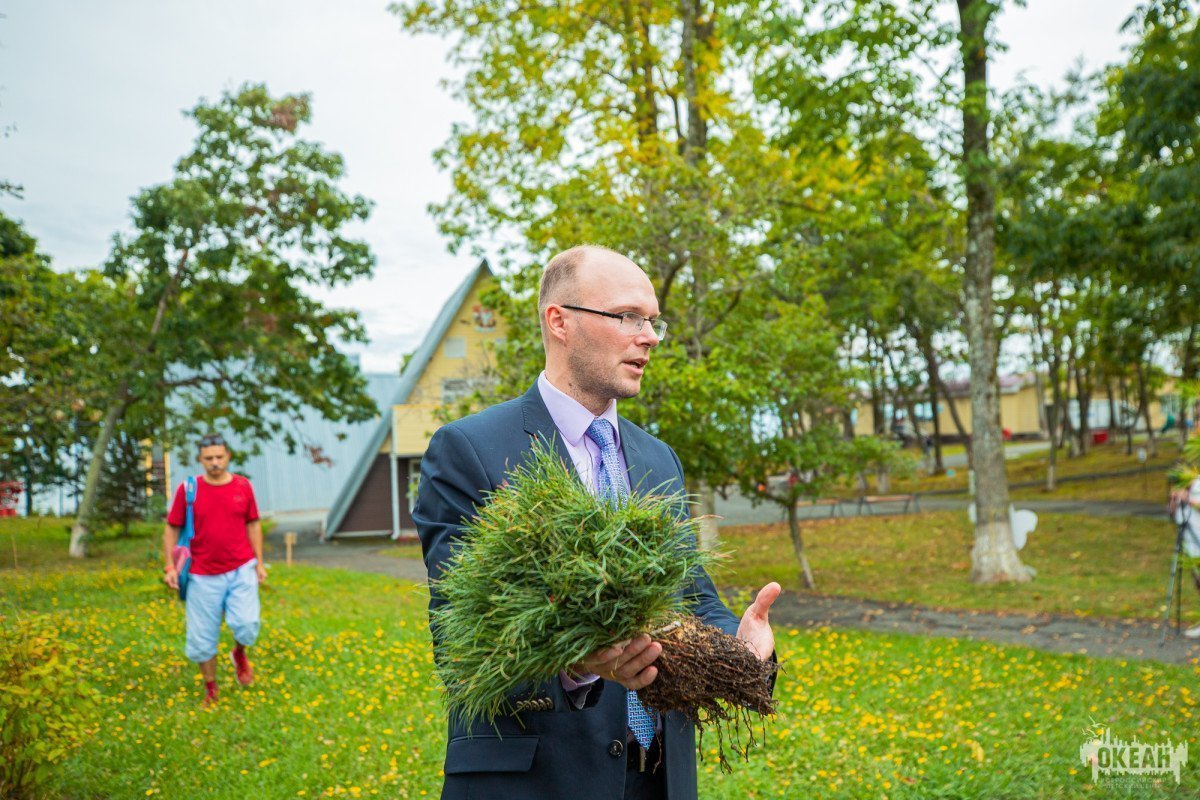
(701, 594)
(708, 605)
(453, 482)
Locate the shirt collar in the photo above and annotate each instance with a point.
(569, 415)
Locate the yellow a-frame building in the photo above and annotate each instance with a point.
(453, 357)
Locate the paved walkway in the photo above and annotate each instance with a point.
(1127, 639)
(738, 510)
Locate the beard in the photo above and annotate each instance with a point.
(598, 378)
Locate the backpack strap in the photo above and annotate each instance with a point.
(189, 526)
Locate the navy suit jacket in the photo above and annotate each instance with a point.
(549, 749)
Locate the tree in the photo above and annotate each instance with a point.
(1152, 104)
(994, 557)
(614, 124)
(795, 388)
(121, 498)
(50, 375)
(215, 323)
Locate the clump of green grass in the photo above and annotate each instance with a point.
(548, 574)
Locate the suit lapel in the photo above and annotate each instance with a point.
(539, 423)
(639, 481)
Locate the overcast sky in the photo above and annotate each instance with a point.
(91, 95)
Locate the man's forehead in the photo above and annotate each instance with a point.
(610, 276)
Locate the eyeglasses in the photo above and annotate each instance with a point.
(631, 323)
(212, 440)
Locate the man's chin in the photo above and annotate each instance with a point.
(629, 389)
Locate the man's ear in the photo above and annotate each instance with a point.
(556, 322)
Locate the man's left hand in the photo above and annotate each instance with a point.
(755, 629)
(262, 572)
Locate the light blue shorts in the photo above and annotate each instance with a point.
(233, 595)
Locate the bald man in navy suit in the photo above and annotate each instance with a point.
(570, 736)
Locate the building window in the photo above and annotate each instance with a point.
(455, 347)
(455, 389)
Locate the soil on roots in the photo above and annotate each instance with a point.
(714, 680)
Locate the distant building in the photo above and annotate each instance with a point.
(377, 497)
(306, 480)
(1023, 411)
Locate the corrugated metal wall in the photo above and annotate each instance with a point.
(291, 481)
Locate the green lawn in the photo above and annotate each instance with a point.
(345, 704)
(1091, 566)
(1109, 457)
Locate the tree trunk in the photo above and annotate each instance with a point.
(704, 509)
(798, 546)
(1144, 409)
(958, 423)
(28, 479)
(1069, 430)
(1053, 413)
(1187, 372)
(1083, 399)
(1112, 409)
(1039, 386)
(939, 468)
(1124, 389)
(994, 557)
(697, 126)
(81, 528)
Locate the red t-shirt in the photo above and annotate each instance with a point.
(220, 514)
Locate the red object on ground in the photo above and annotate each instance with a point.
(241, 665)
(10, 497)
(1099, 437)
(1006, 434)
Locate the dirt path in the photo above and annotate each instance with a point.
(1108, 638)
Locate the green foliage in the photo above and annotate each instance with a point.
(217, 326)
(123, 483)
(549, 574)
(46, 710)
(51, 374)
(1188, 467)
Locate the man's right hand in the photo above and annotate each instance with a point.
(171, 578)
(627, 663)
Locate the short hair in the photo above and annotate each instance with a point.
(558, 279)
(212, 440)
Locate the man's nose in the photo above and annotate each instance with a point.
(646, 335)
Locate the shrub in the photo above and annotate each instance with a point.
(45, 705)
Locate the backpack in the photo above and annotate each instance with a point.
(182, 554)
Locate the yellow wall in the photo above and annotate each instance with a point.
(413, 422)
(1018, 413)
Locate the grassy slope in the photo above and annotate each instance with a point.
(346, 705)
(1092, 566)
(1110, 457)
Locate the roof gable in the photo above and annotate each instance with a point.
(409, 378)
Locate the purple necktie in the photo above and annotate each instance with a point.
(610, 485)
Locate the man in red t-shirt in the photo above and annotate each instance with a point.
(227, 563)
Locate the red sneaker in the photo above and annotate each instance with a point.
(210, 694)
(241, 664)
